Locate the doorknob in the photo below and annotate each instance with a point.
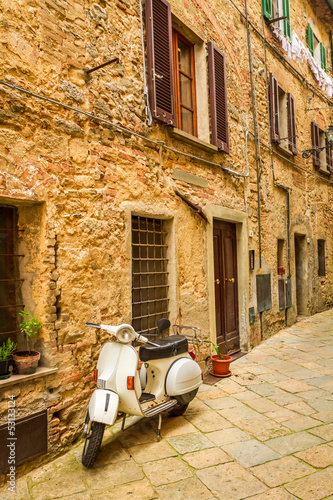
(217, 282)
(232, 280)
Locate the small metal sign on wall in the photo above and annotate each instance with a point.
(264, 295)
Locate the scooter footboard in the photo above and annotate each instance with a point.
(103, 407)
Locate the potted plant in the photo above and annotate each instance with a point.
(6, 350)
(221, 362)
(26, 361)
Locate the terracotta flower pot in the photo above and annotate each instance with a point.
(26, 362)
(221, 366)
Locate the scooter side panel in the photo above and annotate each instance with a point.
(103, 406)
(184, 376)
(127, 367)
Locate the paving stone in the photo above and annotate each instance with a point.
(249, 453)
(226, 436)
(324, 381)
(274, 494)
(142, 432)
(301, 423)
(168, 470)
(284, 398)
(271, 378)
(206, 458)
(324, 432)
(247, 379)
(175, 426)
(207, 388)
(21, 491)
(282, 415)
(222, 403)
(103, 478)
(151, 451)
(213, 394)
(264, 389)
(293, 386)
(315, 487)
(58, 485)
(188, 489)
(314, 394)
(207, 421)
(319, 456)
(138, 490)
(190, 442)
(321, 404)
(246, 395)
(230, 481)
(301, 407)
(281, 471)
(263, 405)
(110, 453)
(230, 386)
(299, 441)
(324, 416)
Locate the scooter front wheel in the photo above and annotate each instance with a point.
(92, 444)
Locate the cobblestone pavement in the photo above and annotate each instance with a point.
(264, 433)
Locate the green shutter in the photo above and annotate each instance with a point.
(267, 9)
(286, 12)
(310, 39)
(323, 57)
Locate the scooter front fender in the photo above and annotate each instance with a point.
(103, 406)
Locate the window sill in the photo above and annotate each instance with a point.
(41, 371)
(180, 135)
(285, 149)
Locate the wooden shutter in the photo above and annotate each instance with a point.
(267, 9)
(310, 39)
(160, 60)
(274, 108)
(329, 158)
(218, 97)
(286, 12)
(323, 57)
(291, 124)
(315, 143)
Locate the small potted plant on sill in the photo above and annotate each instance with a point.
(221, 362)
(26, 362)
(6, 351)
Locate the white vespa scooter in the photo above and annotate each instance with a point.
(169, 377)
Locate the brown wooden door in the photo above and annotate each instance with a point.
(226, 288)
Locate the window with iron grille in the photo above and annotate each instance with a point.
(321, 258)
(9, 274)
(149, 274)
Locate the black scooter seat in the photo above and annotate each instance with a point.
(168, 347)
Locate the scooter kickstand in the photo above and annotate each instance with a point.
(158, 432)
(123, 422)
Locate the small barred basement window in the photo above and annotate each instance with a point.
(149, 274)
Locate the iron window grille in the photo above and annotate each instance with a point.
(149, 274)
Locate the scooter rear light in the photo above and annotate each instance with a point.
(192, 354)
(130, 383)
(95, 375)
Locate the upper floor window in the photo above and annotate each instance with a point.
(282, 117)
(176, 69)
(317, 49)
(280, 10)
(321, 159)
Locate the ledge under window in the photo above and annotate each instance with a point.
(190, 139)
(41, 371)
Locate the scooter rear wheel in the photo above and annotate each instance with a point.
(178, 410)
(92, 444)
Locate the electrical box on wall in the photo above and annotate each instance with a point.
(264, 295)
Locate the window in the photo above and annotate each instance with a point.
(9, 274)
(149, 274)
(317, 49)
(322, 160)
(280, 256)
(282, 117)
(321, 258)
(176, 69)
(275, 9)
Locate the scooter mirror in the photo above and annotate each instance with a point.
(125, 334)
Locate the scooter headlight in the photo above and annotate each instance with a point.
(125, 334)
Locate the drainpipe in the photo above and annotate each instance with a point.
(145, 88)
(256, 141)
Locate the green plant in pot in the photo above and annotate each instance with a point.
(6, 351)
(221, 362)
(26, 362)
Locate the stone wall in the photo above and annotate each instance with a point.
(77, 179)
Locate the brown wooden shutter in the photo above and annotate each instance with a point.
(160, 60)
(291, 124)
(217, 70)
(274, 108)
(315, 143)
(329, 158)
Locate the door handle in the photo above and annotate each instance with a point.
(232, 280)
(217, 281)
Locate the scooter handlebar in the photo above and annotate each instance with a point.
(93, 325)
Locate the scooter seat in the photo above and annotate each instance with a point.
(168, 347)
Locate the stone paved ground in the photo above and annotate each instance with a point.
(264, 433)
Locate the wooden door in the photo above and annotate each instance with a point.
(226, 287)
